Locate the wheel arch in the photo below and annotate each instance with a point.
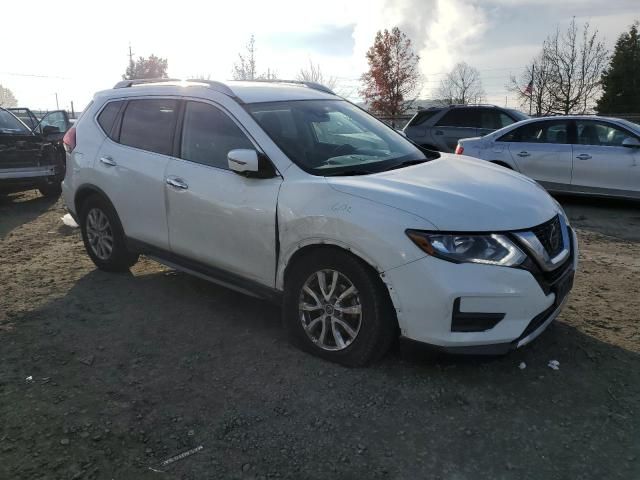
(502, 163)
(309, 246)
(84, 192)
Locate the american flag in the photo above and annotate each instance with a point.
(529, 89)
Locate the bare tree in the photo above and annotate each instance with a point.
(533, 88)
(462, 85)
(314, 74)
(7, 98)
(565, 77)
(245, 68)
(575, 64)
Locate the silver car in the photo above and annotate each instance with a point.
(573, 154)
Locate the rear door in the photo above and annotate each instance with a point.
(601, 163)
(132, 162)
(542, 150)
(217, 217)
(455, 124)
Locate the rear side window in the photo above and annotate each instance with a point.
(208, 135)
(460, 117)
(107, 117)
(149, 125)
(422, 117)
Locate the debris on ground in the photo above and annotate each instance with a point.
(522, 366)
(554, 365)
(186, 454)
(29, 379)
(69, 221)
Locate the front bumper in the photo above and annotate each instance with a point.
(424, 293)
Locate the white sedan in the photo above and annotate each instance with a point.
(572, 154)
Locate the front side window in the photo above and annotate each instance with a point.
(539, 132)
(209, 134)
(149, 124)
(54, 119)
(333, 137)
(491, 119)
(10, 124)
(422, 116)
(601, 134)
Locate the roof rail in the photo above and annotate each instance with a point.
(473, 105)
(217, 86)
(140, 81)
(312, 85)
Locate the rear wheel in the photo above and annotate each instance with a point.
(336, 307)
(103, 236)
(51, 190)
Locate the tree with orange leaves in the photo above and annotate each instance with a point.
(393, 79)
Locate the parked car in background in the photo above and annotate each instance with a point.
(286, 191)
(574, 154)
(440, 128)
(56, 118)
(30, 159)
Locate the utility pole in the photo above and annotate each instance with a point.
(57, 106)
(73, 113)
(533, 76)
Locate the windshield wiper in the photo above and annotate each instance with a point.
(348, 173)
(406, 163)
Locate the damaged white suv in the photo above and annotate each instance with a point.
(286, 191)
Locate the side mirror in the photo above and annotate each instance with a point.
(631, 142)
(49, 130)
(243, 161)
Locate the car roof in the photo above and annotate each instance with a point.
(242, 91)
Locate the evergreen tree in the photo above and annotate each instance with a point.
(621, 80)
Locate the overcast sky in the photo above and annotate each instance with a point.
(75, 48)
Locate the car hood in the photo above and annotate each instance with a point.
(457, 193)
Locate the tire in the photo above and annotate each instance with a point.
(94, 212)
(51, 190)
(375, 327)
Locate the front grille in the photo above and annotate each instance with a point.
(550, 236)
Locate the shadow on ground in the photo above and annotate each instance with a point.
(20, 208)
(615, 218)
(129, 370)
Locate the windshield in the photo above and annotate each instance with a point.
(10, 124)
(633, 126)
(334, 137)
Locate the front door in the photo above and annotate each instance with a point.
(542, 151)
(601, 163)
(215, 216)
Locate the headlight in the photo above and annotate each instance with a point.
(490, 249)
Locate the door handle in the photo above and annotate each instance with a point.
(177, 183)
(524, 154)
(439, 132)
(583, 156)
(108, 161)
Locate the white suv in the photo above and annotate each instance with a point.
(287, 191)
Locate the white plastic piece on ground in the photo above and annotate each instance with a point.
(29, 379)
(69, 221)
(522, 366)
(554, 364)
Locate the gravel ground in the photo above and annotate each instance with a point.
(107, 375)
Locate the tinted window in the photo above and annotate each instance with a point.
(422, 117)
(599, 133)
(492, 119)
(107, 117)
(460, 117)
(208, 135)
(10, 124)
(149, 125)
(539, 132)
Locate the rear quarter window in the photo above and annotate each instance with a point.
(107, 117)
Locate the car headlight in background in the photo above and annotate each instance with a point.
(489, 249)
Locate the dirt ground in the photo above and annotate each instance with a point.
(107, 375)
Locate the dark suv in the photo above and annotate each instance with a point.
(440, 128)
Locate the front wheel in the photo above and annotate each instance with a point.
(103, 236)
(336, 307)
